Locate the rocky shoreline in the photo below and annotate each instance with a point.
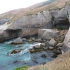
(53, 44)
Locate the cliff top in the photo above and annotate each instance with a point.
(58, 4)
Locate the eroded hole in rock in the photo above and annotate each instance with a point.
(61, 23)
(14, 33)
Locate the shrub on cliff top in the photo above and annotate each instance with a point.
(22, 68)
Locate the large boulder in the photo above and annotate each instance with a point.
(17, 41)
(47, 33)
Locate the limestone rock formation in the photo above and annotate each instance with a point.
(47, 33)
(66, 44)
(30, 23)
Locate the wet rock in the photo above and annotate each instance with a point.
(54, 56)
(45, 48)
(17, 41)
(15, 51)
(36, 47)
(32, 50)
(15, 61)
(57, 52)
(52, 42)
(44, 56)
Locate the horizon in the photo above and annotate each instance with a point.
(8, 5)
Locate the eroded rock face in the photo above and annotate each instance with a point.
(66, 44)
(31, 23)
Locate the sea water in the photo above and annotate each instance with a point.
(23, 58)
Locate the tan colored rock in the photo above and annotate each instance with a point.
(47, 33)
(43, 44)
(59, 44)
(52, 42)
(50, 48)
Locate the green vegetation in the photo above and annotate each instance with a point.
(53, 18)
(59, 27)
(22, 68)
(56, 8)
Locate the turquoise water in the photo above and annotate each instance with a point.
(9, 62)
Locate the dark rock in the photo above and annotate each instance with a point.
(16, 51)
(32, 50)
(57, 52)
(44, 63)
(45, 48)
(43, 56)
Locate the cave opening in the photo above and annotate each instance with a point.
(14, 33)
(61, 24)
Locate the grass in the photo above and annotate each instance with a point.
(21, 68)
(53, 18)
(54, 5)
(59, 27)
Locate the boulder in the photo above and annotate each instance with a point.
(59, 45)
(50, 48)
(52, 42)
(15, 51)
(39, 40)
(36, 47)
(45, 48)
(32, 50)
(17, 41)
(47, 33)
(29, 40)
(42, 45)
(43, 55)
